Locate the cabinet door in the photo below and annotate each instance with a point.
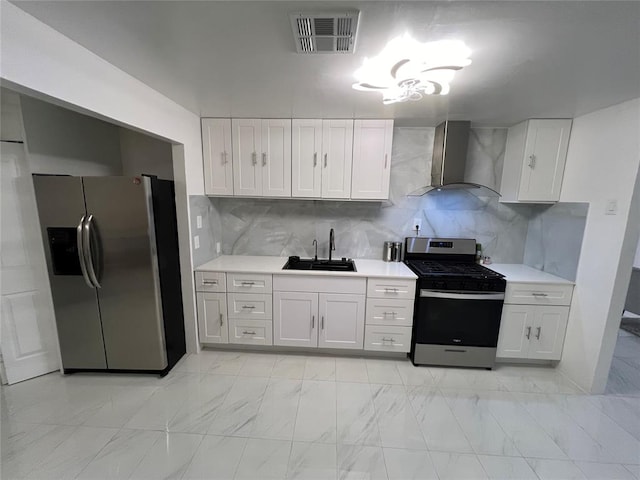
(295, 319)
(337, 156)
(216, 150)
(545, 154)
(306, 170)
(341, 321)
(547, 334)
(276, 158)
(212, 317)
(516, 325)
(371, 159)
(247, 171)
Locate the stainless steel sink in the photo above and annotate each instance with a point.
(295, 263)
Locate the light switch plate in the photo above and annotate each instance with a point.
(217, 247)
(196, 242)
(611, 208)
(199, 221)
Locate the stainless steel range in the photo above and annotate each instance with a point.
(458, 303)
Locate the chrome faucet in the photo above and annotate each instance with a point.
(332, 243)
(315, 243)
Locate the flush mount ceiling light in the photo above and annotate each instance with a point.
(407, 69)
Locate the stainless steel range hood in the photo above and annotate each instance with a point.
(449, 161)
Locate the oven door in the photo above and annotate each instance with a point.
(458, 318)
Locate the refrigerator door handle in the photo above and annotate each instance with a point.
(88, 232)
(81, 254)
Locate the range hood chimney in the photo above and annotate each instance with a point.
(449, 161)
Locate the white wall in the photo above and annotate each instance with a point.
(39, 61)
(602, 165)
(60, 141)
(141, 153)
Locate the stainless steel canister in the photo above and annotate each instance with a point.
(396, 255)
(387, 252)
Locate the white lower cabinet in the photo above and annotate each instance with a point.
(250, 331)
(212, 317)
(341, 321)
(532, 331)
(304, 319)
(384, 338)
(295, 319)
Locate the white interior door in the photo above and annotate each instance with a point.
(28, 337)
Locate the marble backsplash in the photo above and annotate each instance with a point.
(554, 239)
(288, 227)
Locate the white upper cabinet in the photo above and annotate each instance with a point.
(276, 157)
(371, 159)
(337, 156)
(306, 170)
(534, 161)
(247, 171)
(216, 150)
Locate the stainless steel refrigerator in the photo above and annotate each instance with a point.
(112, 254)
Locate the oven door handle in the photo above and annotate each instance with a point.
(461, 295)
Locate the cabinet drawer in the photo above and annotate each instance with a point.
(249, 282)
(538, 294)
(317, 283)
(387, 311)
(382, 288)
(387, 339)
(250, 332)
(250, 305)
(210, 282)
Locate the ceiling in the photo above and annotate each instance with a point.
(238, 58)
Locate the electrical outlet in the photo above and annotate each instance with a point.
(199, 221)
(611, 208)
(218, 247)
(196, 242)
(417, 223)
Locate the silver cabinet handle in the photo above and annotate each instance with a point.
(532, 161)
(528, 335)
(393, 314)
(325, 160)
(220, 319)
(81, 254)
(88, 234)
(390, 290)
(392, 340)
(538, 294)
(386, 157)
(247, 332)
(251, 307)
(209, 282)
(313, 322)
(254, 160)
(223, 158)
(539, 329)
(264, 159)
(315, 159)
(247, 283)
(322, 323)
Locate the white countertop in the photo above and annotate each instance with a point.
(273, 265)
(517, 272)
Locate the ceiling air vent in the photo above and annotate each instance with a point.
(325, 32)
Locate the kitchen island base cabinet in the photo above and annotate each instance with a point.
(212, 317)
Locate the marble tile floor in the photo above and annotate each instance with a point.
(231, 415)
